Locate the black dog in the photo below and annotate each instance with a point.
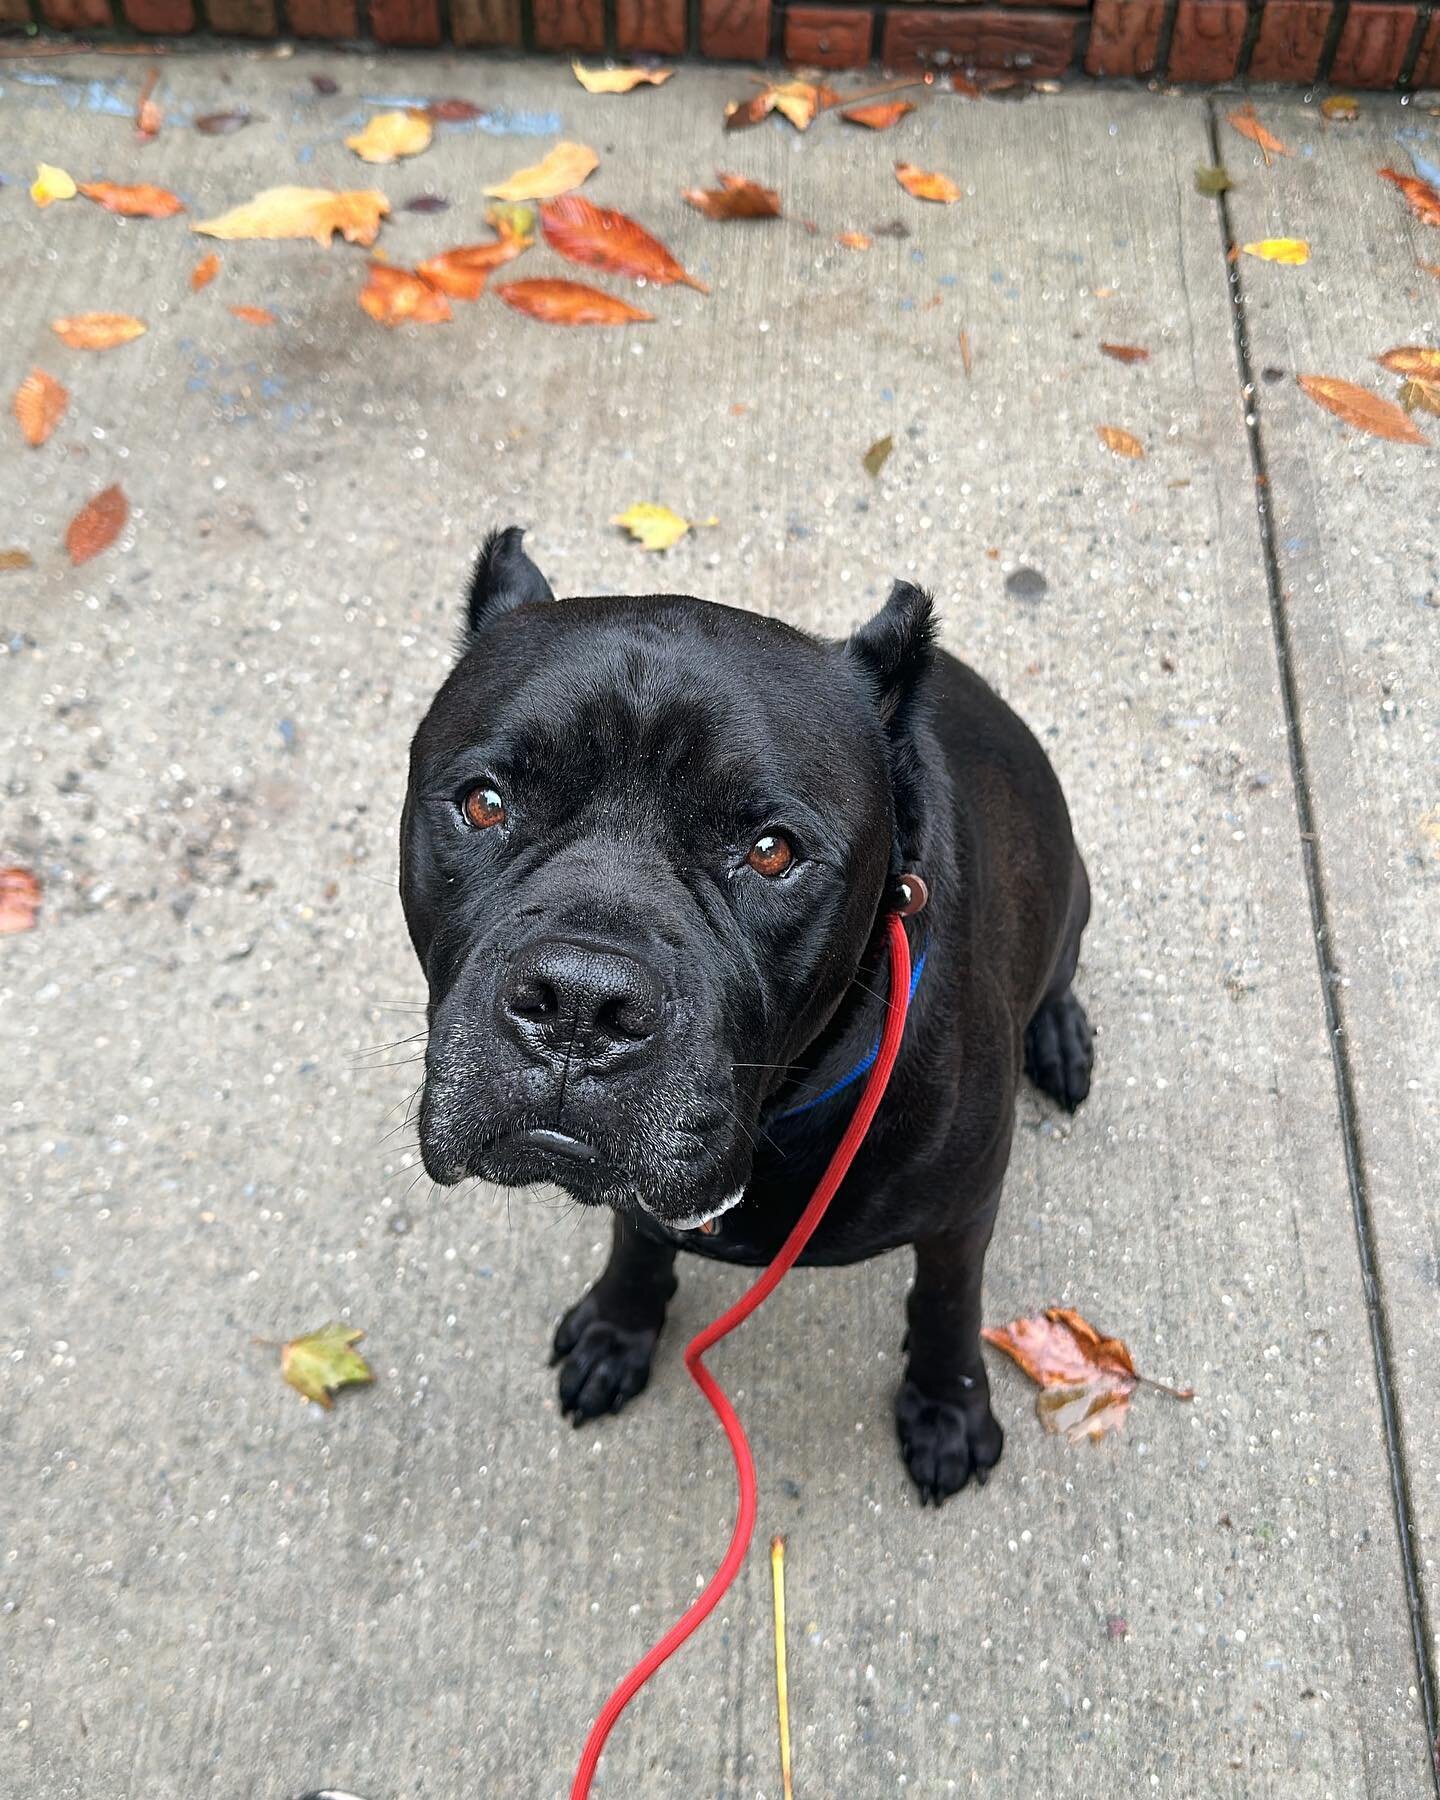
(646, 857)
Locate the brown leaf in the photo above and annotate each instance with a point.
(325, 84)
(566, 166)
(1086, 1380)
(221, 124)
(426, 203)
(1126, 353)
(737, 197)
(148, 117)
(19, 900)
(1123, 443)
(1357, 406)
(1246, 123)
(97, 331)
(797, 101)
(1412, 361)
(10, 560)
(924, 184)
(254, 315)
(876, 457)
(966, 356)
(604, 239)
(569, 303)
(881, 117)
(1419, 395)
(40, 403)
(97, 525)
(296, 212)
(401, 297)
(204, 272)
(453, 112)
(139, 202)
(1424, 199)
(618, 81)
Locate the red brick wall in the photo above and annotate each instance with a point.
(1351, 43)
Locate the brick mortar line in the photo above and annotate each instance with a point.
(1382, 1349)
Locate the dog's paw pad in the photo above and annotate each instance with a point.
(1059, 1051)
(603, 1366)
(944, 1445)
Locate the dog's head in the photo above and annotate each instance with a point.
(645, 846)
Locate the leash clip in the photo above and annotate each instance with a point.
(914, 895)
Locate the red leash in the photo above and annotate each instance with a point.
(722, 1327)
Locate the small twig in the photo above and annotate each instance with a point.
(1173, 1392)
(782, 1686)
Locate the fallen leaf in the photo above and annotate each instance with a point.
(604, 239)
(402, 297)
(452, 112)
(879, 118)
(50, 184)
(782, 1678)
(1429, 269)
(139, 202)
(1412, 361)
(1246, 123)
(426, 203)
(148, 117)
(40, 403)
(1126, 353)
(1086, 1380)
(204, 272)
(221, 124)
(876, 457)
(923, 184)
(97, 525)
(297, 212)
(569, 303)
(737, 197)
(564, 168)
(1343, 108)
(797, 101)
(655, 527)
(389, 136)
(325, 84)
(1419, 395)
(19, 894)
(97, 331)
(1357, 406)
(853, 240)
(966, 357)
(254, 315)
(618, 81)
(322, 1361)
(1211, 180)
(1290, 251)
(1424, 199)
(463, 272)
(11, 560)
(1123, 443)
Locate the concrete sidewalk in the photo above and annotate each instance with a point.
(208, 1589)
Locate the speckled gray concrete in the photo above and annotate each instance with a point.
(210, 1590)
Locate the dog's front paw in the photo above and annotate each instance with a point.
(944, 1445)
(601, 1365)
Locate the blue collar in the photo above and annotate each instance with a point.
(861, 1068)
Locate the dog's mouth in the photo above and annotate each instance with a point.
(589, 1174)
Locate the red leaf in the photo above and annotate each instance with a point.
(736, 198)
(1424, 199)
(97, 525)
(400, 297)
(139, 202)
(19, 900)
(569, 303)
(605, 239)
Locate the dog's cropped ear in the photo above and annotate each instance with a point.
(894, 649)
(504, 578)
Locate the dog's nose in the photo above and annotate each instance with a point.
(573, 1002)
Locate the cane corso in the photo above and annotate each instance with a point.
(647, 856)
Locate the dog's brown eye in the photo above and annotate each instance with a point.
(770, 855)
(484, 808)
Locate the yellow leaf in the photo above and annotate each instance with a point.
(1123, 443)
(1291, 251)
(296, 212)
(656, 527)
(50, 184)
(391, 135)
(926, 184)
(564, 168)
(618, 81)
(1412, 360)
(318, 1363)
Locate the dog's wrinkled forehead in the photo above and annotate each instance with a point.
(675, 703)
